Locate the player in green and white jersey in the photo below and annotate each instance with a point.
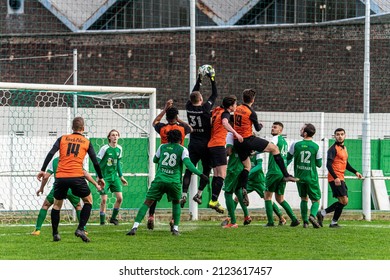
(109, 158)
(231, 186)
(275, 182)
(49, 200)
(307, 157)
(256, 182)
(170, 158)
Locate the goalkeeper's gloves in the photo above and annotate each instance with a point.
(210, 72)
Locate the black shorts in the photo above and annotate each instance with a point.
(218, 156)
(199, 152)
(339, 191)
(78, 185)
(249, 144)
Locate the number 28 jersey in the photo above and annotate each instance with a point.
(170, 163)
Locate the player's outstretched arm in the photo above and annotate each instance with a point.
(186, 125)
(191, 167)
(159, 117)
(228, 127)
(89, 178)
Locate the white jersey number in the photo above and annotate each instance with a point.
(195, 121)
(305, 157)
(169, 159)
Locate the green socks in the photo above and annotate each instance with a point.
(176, 212)
(102, 217)
(230, 207)
(314, 208)
(288, 210)
(142, 212)
(115, 212)
(41, 218)
(240, 198)
(304, 211)
(276, 210)
(269, 211)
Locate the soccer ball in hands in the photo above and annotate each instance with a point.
(206, 70)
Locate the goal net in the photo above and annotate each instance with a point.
(35, 115)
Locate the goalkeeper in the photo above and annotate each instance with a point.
(199, 118)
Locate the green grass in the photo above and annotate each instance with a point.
(201, 240)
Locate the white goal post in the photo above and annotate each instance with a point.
(35, 115)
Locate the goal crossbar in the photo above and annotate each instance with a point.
(77, 88)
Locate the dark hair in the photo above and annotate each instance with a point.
(339, 129)
(279, 124)
(309, 129)
(174, 136)
(78, 124)
(109, 134)
(248, 95)
(229, 101)
(172, 113)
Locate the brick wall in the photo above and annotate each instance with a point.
(35, 19)
(298, 68)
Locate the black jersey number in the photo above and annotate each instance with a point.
(73, 149)
(237, 120)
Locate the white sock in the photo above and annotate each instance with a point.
(176, 228)
(136, 224)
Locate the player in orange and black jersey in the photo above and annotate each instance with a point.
(199, 118)
(173, 123)
(70, 175)
(244, 118)
(220, 127)
(336, 164)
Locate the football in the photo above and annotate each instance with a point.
(205, 70)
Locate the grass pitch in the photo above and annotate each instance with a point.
(201, 240)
